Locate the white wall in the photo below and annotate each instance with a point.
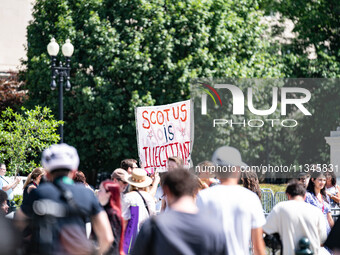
(14, 18)
(334, 142)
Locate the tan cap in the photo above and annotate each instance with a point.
(120, 174)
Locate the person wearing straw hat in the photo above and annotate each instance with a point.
(138, 196)
(137, 206)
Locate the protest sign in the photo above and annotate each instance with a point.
(163, 131)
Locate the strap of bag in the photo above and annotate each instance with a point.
(4, 179)
(145, 204)
(74, 208)
(68, 196)
(48, 224)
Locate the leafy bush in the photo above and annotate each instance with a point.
(24, 136)
(18, 200)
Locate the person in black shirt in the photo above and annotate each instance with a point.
(58, 209)
(32, 182)
(182, 229)
(333, 239)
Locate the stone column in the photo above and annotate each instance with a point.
(334, 143)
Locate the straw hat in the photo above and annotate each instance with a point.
(139, 178)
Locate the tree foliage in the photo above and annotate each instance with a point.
(133, 53)
(24, 136)
(313, 52)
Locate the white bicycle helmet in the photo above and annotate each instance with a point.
(60, 156)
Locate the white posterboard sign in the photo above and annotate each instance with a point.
(163, 131)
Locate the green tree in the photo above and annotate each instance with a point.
(314, 52)
(24, 136)
(132, 53)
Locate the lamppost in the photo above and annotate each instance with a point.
(61, 72)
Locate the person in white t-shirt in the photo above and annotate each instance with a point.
(295, 219)
(5, 185)
(238, 209)
(138, 196)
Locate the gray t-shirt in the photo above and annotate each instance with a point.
(180, 233)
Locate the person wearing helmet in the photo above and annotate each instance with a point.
(58, 209)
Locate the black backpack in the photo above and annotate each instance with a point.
(51, 226)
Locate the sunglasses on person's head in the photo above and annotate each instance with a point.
(121, 181)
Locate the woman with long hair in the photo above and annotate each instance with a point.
(316, 195)
(332, 189)
(80, 177)
(109, 198)
(251, 182)
(32, 181)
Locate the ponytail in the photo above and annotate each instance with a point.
(33, 175)
(28, 180)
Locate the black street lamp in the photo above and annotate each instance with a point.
(63, 73)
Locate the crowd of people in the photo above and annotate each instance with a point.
(180, 211)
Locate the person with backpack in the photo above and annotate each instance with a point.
(58, 209)
(295, 219)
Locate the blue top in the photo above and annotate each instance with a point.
(324, 206)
